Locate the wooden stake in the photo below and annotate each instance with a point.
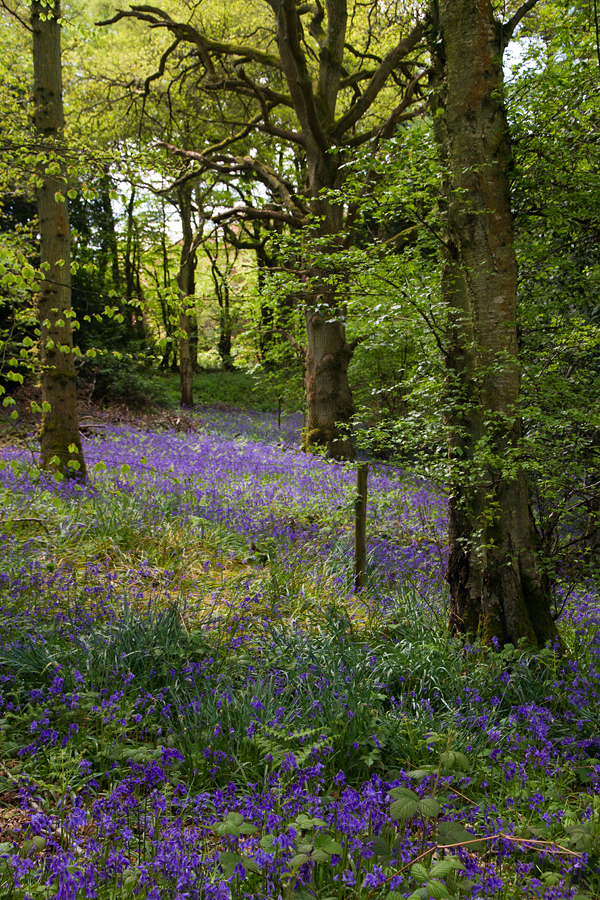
(360, 526)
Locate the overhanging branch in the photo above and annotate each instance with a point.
(265, 215)
(508, 28)
(378, 81)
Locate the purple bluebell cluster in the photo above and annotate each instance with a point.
(170, 738)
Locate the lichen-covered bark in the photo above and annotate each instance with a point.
(496, 588)
(60, 427)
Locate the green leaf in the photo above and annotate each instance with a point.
(381, 847)
(225, 828)
(404, 808)
(445, 867)
(437, 890)
(423, 772)
(429, 808)
(420, 894)
(299, 860)
(235, 818)
(453, 833)
(448, 759)
(328, 845)
(419, 872)
(399, 792)
(581, 836)
(230, 860)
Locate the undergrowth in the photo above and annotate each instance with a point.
(199, 706)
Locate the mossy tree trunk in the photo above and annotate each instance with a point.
(60, 440)
(497, 591)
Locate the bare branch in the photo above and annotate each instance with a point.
(332, 52)
(249, 212)
(392, 121)
(354, 344)
(15, 15)
(295, 69)
(283, 133)
(356, 78)
(299, 349)
(158, 18)
(226, 142)
(161, 67)
(508, 28)
(378, 81)
(257, 92)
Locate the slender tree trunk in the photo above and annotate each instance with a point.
(60, 440)
(496, 587)
(224, 345)
(186, 290)
(109, 233)
(130, 247)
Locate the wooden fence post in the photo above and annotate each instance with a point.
(360, 526)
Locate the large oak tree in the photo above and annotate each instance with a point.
(317, 80)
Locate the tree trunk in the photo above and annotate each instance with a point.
(109, 247)
(330, 407)
(130, 248)
(59, 439)
(495, 583)
(329, 401)
(224, 345)
(186, 290)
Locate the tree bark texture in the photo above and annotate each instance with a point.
(187, 290)
(495, 583)
(329, 400)
(60, 426)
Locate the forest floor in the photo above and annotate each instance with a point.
(195, 703)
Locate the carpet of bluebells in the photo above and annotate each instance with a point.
(195, 703)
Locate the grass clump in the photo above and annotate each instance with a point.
(236, 389)
(195, 703)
